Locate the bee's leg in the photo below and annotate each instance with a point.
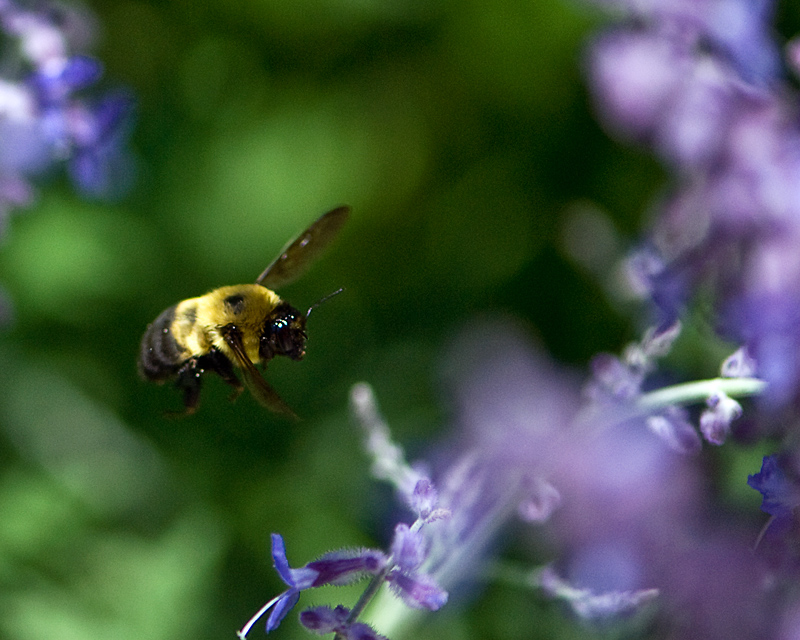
(189, 381)
(218, 363)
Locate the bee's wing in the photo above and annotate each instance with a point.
(300, 253)
(259, 387)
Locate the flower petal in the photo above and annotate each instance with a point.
(281, 608)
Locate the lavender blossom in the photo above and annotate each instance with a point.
(511, 408)
(715, 421)
(402, 569)
(479, 491)
(621, 499)
(630, 502)
(45, 118)
(338, 567)
(738, 365)
(618, 391)
(738, 30)
(408, 548)
(673, 427)
(700, 84)
(324, 620)
(593, 606)
(781, 496)
(619, 380)
(418, 591)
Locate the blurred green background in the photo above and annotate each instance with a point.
(461, 135)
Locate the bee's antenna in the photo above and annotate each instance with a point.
(325, 299)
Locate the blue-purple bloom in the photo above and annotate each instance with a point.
(625, 500)
(324, 620)
(619, 380)
(503, 453)
(418, 590)
(715, 421)
(296, 579)
(338, 567)
(672, 425)
(700, 83)
(401, 570)
(46, 118)
(617, 493)
(738, 365)
(408, 548)
(781, 495)
(423, 498)
(590, 605)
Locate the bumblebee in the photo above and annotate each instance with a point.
(238, 326)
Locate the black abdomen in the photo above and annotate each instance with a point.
(159, 355)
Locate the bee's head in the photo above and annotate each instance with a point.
(284, 334)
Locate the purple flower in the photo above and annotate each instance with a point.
(635, 76)
(738, 30)
(715, 421)
(715, 587)
(417, 590)
(54, 84)
(618, 380)
(738, 365)
(296, 579)
(339, 567)
(674, 428)
(100, 166)
(409, 552)
(408, 548)
(699, 83)
(401, 570)
(630, 508)
(45, 120)
(336, 567)
(768, 321)
(424, 498)
(612, 379)
(624, 504)
(511, 408)
(781, 494)
(484, 485)
(324, 620)
(388, 459)
(590, 605)
(540, 502)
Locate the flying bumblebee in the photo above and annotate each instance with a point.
(240, 325)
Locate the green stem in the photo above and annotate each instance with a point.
(692, 392)
(688, 393)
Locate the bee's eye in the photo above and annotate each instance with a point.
(284, 334)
